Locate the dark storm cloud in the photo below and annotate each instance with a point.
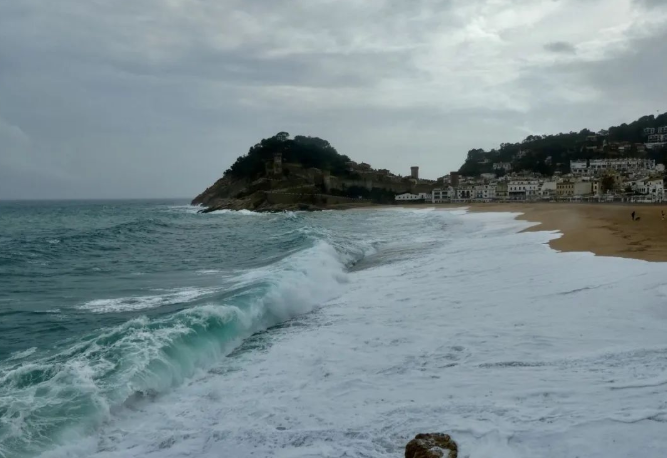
(154, 98)
(561, 47)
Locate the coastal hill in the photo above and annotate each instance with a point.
(547, 154)
(303, 173)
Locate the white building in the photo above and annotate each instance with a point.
(522, 190)
(547, 189)
(654, 189)
(657, 140)
(649, 131)
(485, 192)
(409, 197)
(658, 144)
(579, 167)
(506, 166)
(442, 195)
(623, 165)
(465, 193)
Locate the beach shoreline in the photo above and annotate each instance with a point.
(602, 229)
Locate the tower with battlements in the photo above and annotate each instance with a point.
(278, 164)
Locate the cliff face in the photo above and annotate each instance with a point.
(300, 190)
(225, 187)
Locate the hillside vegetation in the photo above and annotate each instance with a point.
(546, 154)
(253, 183)
(306, 151)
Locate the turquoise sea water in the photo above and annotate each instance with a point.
(105, 302)
(141, 329)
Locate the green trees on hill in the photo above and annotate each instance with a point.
(377, 195)
(547, 154)
(307, 151)
(634, 132)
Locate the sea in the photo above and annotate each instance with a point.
(144, 329)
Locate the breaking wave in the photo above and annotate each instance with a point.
(48, 400)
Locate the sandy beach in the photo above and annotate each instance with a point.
(602, 229)
(605, 230)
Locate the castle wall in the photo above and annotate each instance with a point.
(285, 198)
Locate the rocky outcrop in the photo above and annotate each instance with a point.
(264, 207)
(297, 190)
(434, 445)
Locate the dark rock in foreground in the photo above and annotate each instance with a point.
(434, 445)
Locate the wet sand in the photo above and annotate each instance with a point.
(603, 229)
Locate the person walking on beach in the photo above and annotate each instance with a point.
(662, 212)
(633, 215)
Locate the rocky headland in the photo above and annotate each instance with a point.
(304, 173)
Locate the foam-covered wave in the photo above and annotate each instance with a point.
(53, 399)
(126, 304)
(237, 212)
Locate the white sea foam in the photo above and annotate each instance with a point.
(22, 354)
(237, 212)
(128, 304)
(133, 362)
(192, 209)
(490, 335)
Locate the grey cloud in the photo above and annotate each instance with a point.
(618, 88)
(651, 3)
(561, 47)
(632, 76)
(151, 98)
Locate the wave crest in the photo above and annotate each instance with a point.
(47, 401)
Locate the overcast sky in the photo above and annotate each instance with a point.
(153, 98)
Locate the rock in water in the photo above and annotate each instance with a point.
(433, 445)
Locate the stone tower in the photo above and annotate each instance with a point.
(414, 172)
(278, 164)
(326, 181)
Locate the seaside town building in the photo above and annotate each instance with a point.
(647, 190)
(506, 166)
(618, 179)
(485, 192)
(409, 197)
(596, 188)
(439, 196)
(579, 167)
(548, 189)
(465, 193)
(565, 188)
(621, 165)
(522, 190)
